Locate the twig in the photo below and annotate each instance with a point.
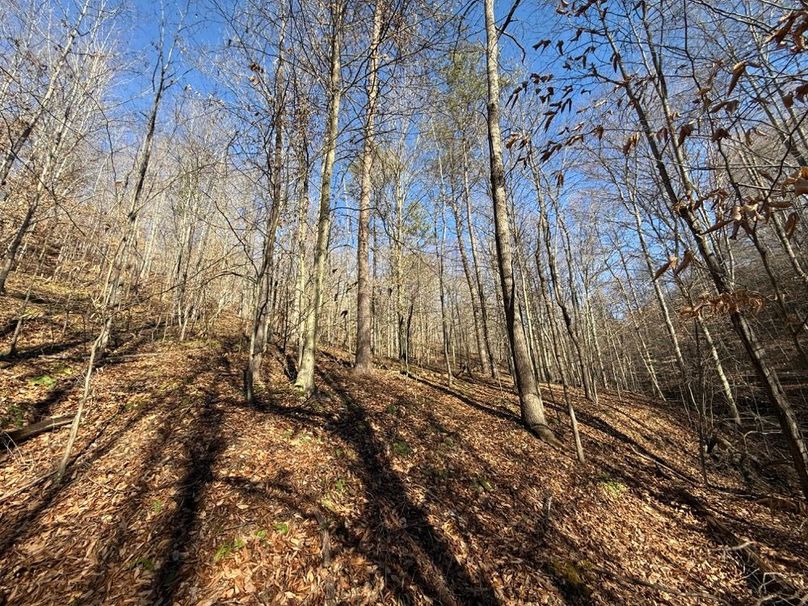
(25, 487)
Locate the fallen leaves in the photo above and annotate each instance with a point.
(413, 486)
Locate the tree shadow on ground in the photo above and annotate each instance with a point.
(204, 446)
(646, 471)
(417, 559)
(41, 350)
(201, 444)
(499, 412)
(98, 444)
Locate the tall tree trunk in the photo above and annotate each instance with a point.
(444, 313)
(532, 407)
(305, 374)
(364, 287)
(264, 278)
(301, 302)
(473, 293)
(489, 350)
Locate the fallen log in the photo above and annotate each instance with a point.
(11, 439)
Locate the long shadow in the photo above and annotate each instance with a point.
(43, 408)
(204, 447)
(35, 299)
(41, 350)
(8, 328)
(421, 552)
(14, 529)
(499, 412)
(584, 418)
(599, 424)
(532, 549)
(646, 479)
(418, 552)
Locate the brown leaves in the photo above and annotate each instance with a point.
(718, 225)
(631, 143)
(799, 180)
(791, 224)
(684, 132)
(672, 261)
(515, 138)
(801, 184)
(800, 92)
(725, 303)
(793, 25)
(729, 106)
(719, 134)
(686, 261)
(738, 70)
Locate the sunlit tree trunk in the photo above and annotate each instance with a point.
(532, 407)
(364, 292)
(305, 374)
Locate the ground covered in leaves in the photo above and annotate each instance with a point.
(382, 489)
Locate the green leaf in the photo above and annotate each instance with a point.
(222, 552)
(43, 380)
(401, 448)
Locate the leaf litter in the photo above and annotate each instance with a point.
(384, 489)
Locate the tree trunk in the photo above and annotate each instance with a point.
(489, 350)
(754, 348)
(305, 374)
(532, 407)
(364, 287)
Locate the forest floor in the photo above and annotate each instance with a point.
(382, 489)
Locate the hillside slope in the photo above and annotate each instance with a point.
(384, 489)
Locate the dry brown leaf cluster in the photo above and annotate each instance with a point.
(740, 300)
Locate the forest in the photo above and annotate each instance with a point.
(403, 302)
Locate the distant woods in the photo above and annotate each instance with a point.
(606, 196)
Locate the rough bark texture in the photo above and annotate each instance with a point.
(532, 407)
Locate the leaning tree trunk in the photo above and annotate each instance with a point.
(755, 350)
(16, 145)
(532, 407)
(118, 263)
